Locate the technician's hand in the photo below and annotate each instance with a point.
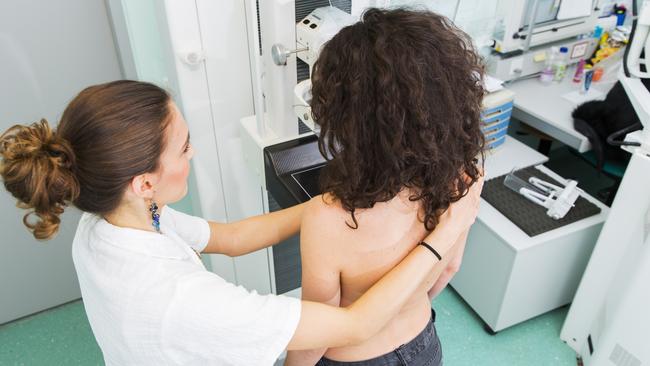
(458, 218)
(462, 214)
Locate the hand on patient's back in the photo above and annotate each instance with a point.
(460, 215)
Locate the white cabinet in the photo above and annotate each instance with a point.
(508, 277)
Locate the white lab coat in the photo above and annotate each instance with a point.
(150, 300)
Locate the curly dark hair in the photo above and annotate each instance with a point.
(398, 100)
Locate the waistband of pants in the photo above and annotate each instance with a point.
(403, 353)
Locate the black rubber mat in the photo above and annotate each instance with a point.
(528, 216)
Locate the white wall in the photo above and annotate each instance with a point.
(49, 51)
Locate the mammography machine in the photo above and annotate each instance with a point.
(283, 154)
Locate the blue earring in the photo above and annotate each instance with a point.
(155, 216)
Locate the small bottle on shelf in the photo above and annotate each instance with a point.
(579, 71)
(560, 64)
(548, 74)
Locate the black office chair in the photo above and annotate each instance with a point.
(612, 168)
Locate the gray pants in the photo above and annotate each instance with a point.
(423, 350)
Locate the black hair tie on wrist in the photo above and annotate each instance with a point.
(435, 252)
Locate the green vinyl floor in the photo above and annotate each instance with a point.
(62, 336)
(535, 342)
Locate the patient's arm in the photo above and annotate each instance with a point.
(320, 270)
(451, 269)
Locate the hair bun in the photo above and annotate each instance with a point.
(60, 151)
(37, 167)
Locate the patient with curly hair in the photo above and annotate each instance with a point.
(398, 100)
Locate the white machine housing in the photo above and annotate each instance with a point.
(317, 28)
(279, 26)
(519, 54)
(609, 322)
(513, 29)
(302, 98)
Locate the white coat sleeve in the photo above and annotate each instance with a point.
(194, 230)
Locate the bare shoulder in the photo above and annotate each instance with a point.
(324, 209)
(323, 222)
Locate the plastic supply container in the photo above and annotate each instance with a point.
(587, 79)
(560, 64)
(598, 73)
(497, 110)
(548, 74)
(620, 11)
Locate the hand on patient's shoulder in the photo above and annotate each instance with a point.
(460, 215)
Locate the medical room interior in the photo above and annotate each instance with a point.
(556, 269)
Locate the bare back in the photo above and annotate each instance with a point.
(386, 234)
